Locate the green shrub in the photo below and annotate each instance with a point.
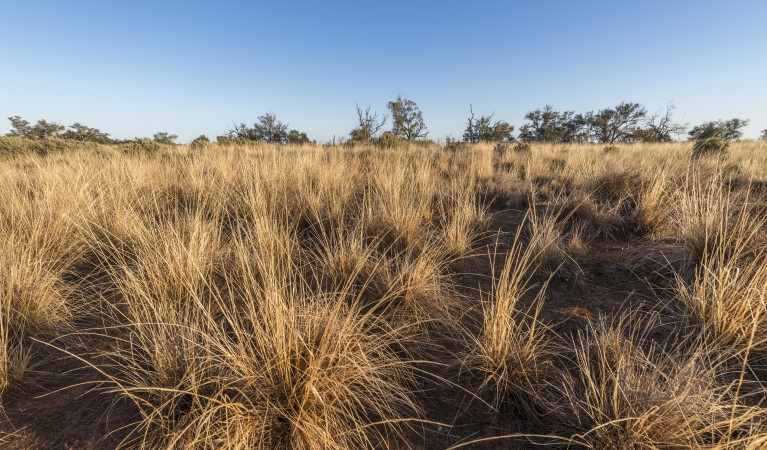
(296, 137)
(714, 146)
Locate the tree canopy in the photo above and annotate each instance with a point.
(163, 137)
(484, 129)
(368, 125)
(660, 127)
(41, 130)
(728, 130)
(44, 129)
(549, 125)
(267, 128)
(407, 119)
(611, 125)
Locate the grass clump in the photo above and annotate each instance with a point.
(238, 350)
(510, 357)
(628, 392)
(726, 300)
(277, 373)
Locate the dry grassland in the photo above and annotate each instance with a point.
(311, 297)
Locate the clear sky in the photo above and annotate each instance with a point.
(189, 67)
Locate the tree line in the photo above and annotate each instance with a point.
(628, 122)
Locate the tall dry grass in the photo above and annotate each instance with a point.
(631, 392)
(283, 297)
(511, 355)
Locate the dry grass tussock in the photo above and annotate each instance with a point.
(509, 358)
(252, 296)
(726, 300)
(631, 392)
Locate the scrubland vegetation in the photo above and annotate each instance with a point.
(252, 295)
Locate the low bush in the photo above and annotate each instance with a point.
(713, 146)
(390, 140)
(199, 142)
(14, 145)
(140, 145)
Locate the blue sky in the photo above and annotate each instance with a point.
(134, 68)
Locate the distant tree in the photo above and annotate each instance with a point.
(733, 129)
(407, 119)
(484, 129)
(82, 133)
(297, 137)
(612, 125)
(20, 127)
(764, 135)
(162, 137)
(46, 130)
(41, 130)
(660, 127)
(239, 132)
(271, 130)
(368, 125)
(226, 138)
(268, 128)
(706, 130)
(728, 130)
(550, 125)
(471, 134)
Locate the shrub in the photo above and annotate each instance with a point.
(14, 145)
(296, 137)
(140, 145)
(200, 141)
(389, 140)
(714, 146)
(485, 130)
(729, 130)
(164, 137)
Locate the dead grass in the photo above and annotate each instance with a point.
(726, 301)
(251, 296)
(510, 356)
(629, 392)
